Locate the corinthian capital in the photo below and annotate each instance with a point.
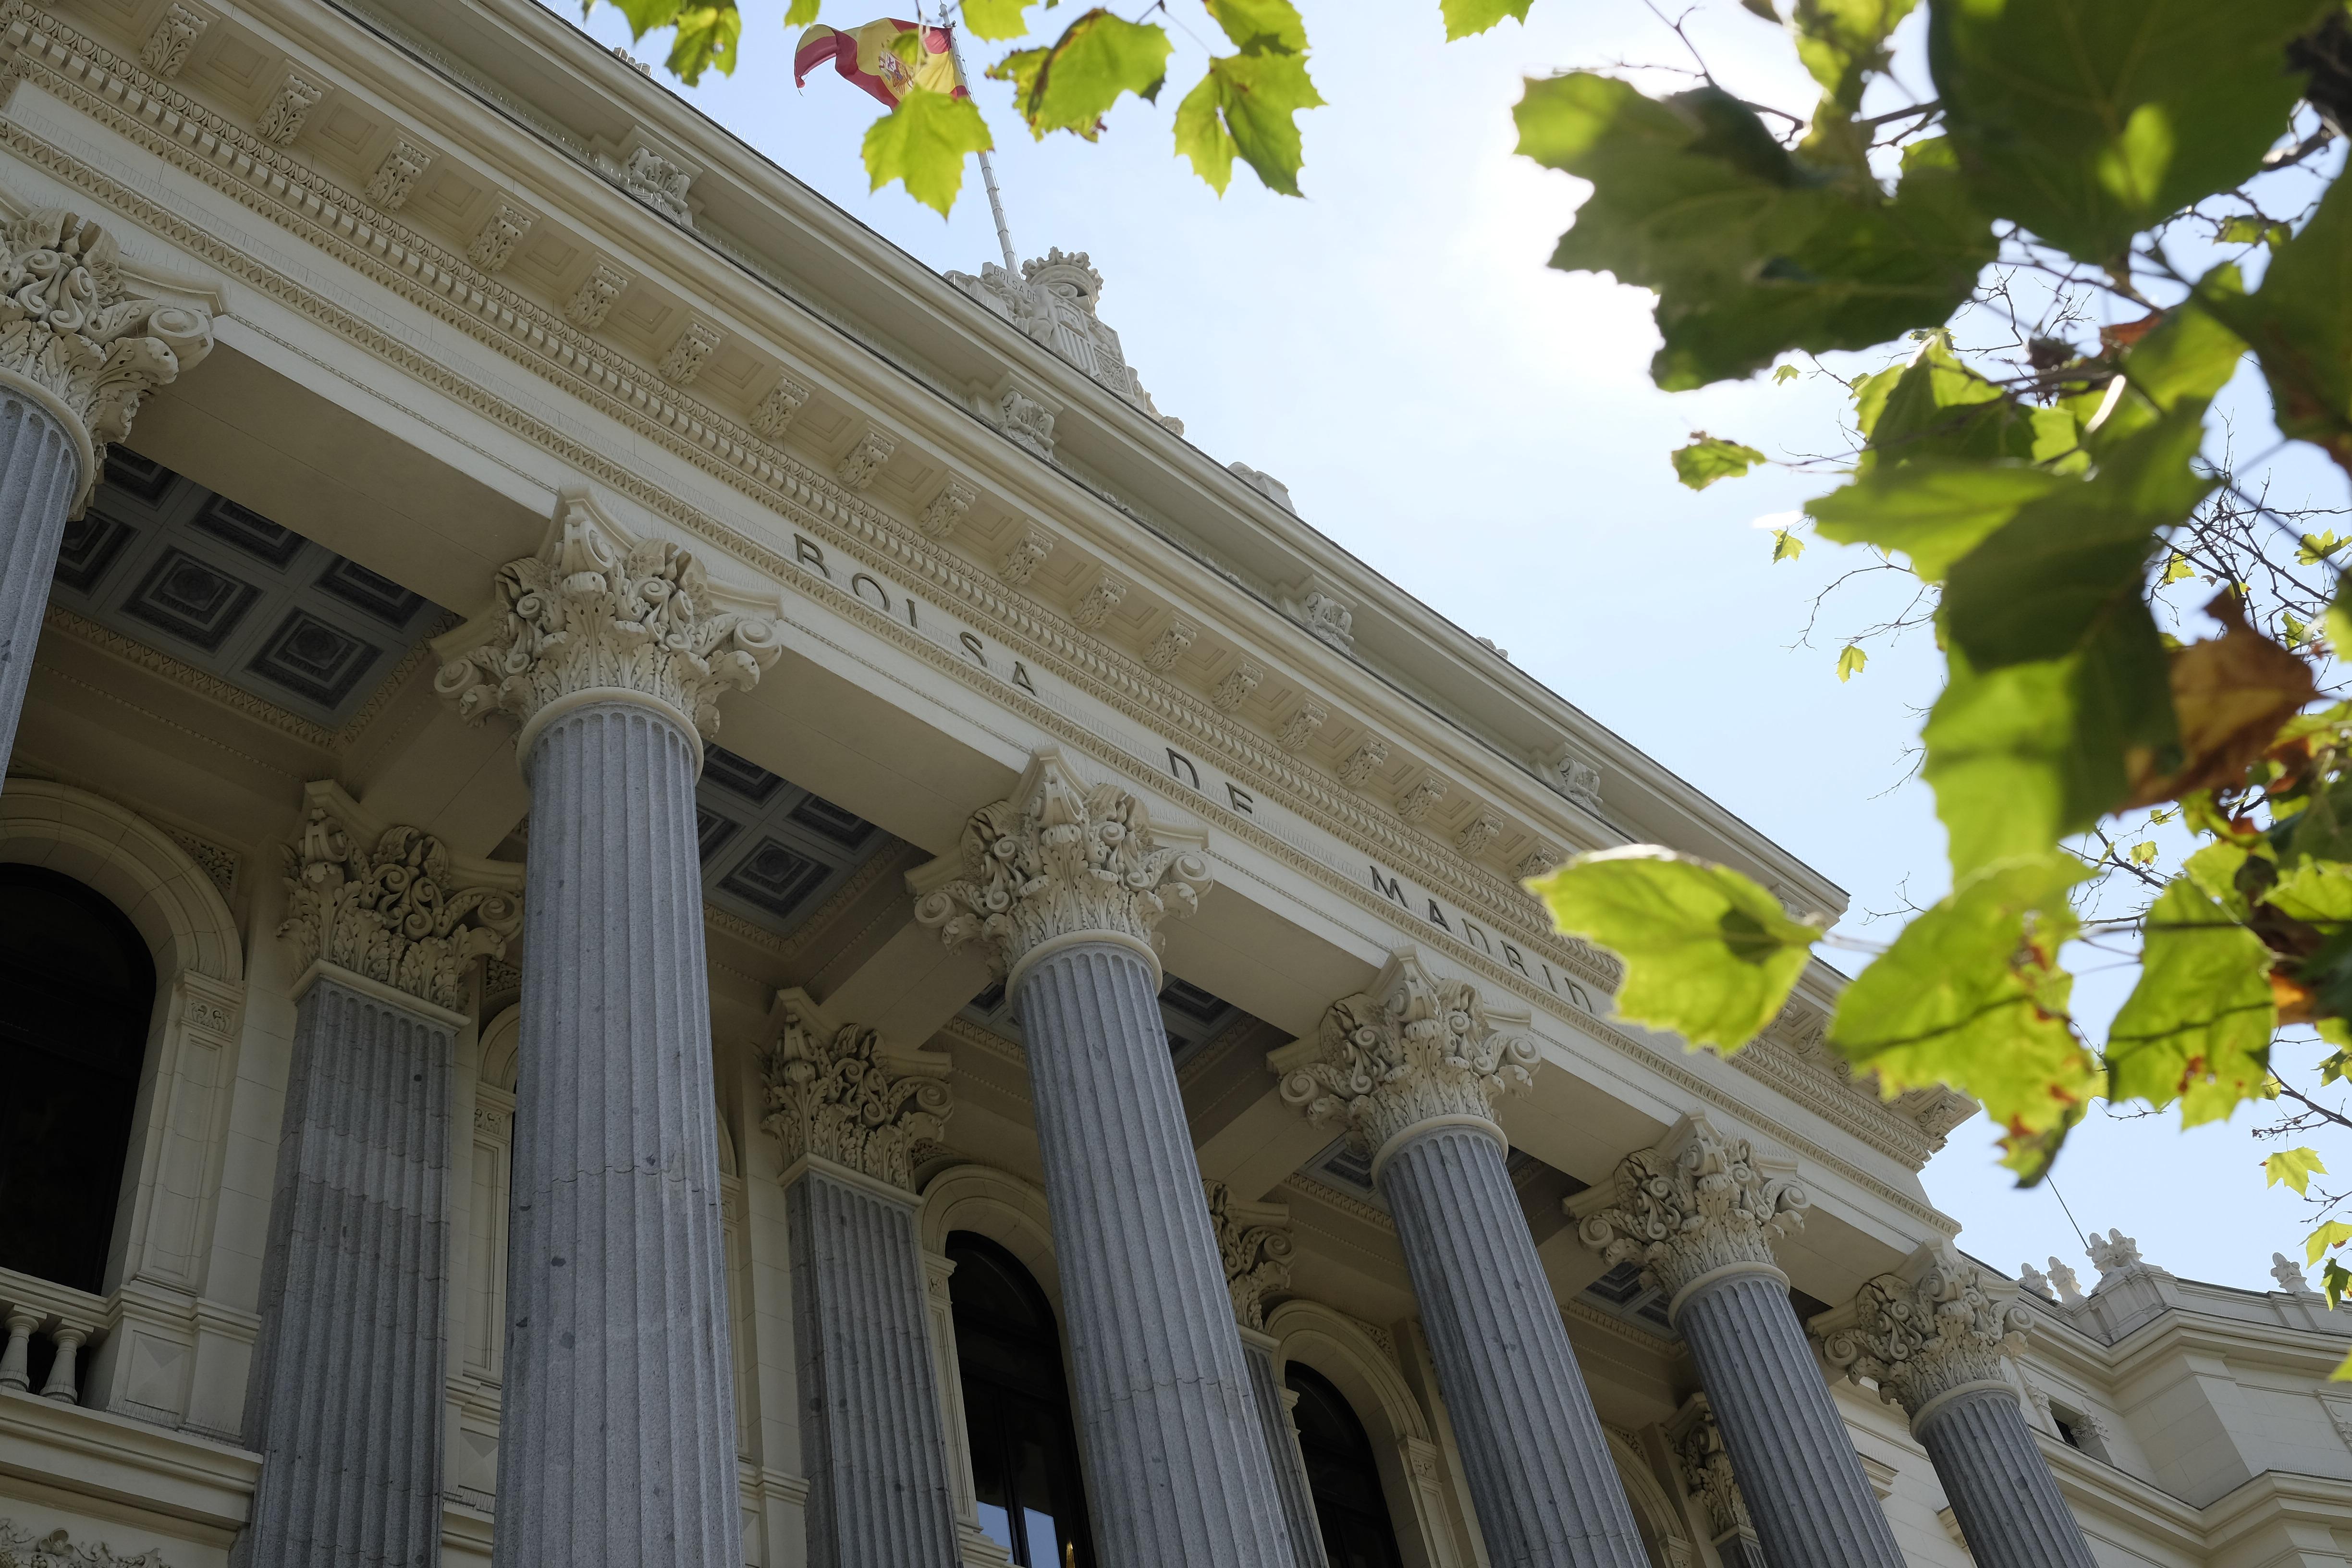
(1929, 1328)
(832, 1095)
(74, 337)
(593, 616)
(1692, 1204)
(1059, 860)
(1705, 1465)
(1255, 1240)
(1411, 1050)
(391, 904)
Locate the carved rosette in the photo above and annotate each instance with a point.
(587, 614)
(1691, 1204)
(1256, 1255)
(391, 913)
(1062, 859)
(1928, 1331)
(832, 1096)
(72, 329)
(1412, 1049)
(1705, 1465)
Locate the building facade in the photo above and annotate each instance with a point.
(679, 894)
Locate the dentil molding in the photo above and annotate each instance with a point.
(1926, 1328)
(833, 1093)
(1689, 1206)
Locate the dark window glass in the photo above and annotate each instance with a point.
(1016, 1409)
(81, 987)
(1342, 1475)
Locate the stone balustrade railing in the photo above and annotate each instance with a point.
(67, 1320)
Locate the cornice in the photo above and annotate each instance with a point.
(118, 93)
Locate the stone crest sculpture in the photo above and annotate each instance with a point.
(1256, 1252)
(1924, 1331)
(591, 614)
(1693, 1204)
(832, 1095)
(1414, 1048)
(73, 333)
(1062, 858)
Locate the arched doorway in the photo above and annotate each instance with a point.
(1016, 1407)
(1343, 1475)
(80, 985)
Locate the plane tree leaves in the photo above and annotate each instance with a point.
(1266, 25)
(2230, 696)
(1463, 17)
(1971, 995)
(1932, 512)
(923, 141)
(707, 32)
(1844, 42)
(2295, 1167)
(1935, 405)
(1710, 458)
(2300, 326)
(2090, 120)
(1708, 953)
(996, 20)
(2196, 1029)
(1751, 252)
(1071, 84)
(1245, 106)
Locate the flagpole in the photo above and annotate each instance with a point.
(987, 170)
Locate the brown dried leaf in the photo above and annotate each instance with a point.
(2230, 695)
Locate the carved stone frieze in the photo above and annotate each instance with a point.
(1692, 1202)
(1028, 422)
(393, 911)
(1316, 605)
(1411, 1050)
(172, 38)
(775, 412)
(70, 327)
(1706, 1466)
(1234, 687)
(1425, 793)
(683, 361)
(1095, 605)
(494, 243)
(1168, 647)
(1360, 764)
(593, 301)
(1255, 1244)
(948, 508)
(1484, 829)
(1029, 549)
(1058, 858)
(857, 470)
(659, 182)
(1568, 772)
(1926, 1329)
(1300, 727)
(396, 175)
(831, 1093)
(289, 108)
(20, 1548)
(591, 612)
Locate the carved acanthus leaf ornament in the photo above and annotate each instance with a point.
(20, 1548)
(70, 326)
(1695, 1202)
(1411, 1049)
(1928, 1331)
(587, 614)
(1707, 1467)
(833, 1095)
(1062, 859)
(1257, 1256)
(392, 914)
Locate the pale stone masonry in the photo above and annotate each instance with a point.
(648, 922)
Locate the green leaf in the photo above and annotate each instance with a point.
(802, 14)
(2334, 1280)
(2244, 230)
(705, 39)
(1851, 662)
(1785, 373)
(1971, 995)
(923, 141)
(1750, 251)
(2317, 893)
(2197, 1027)
(996, 20)
(1463, 17)
(1841, 42)
(1933, 511)
(1257, 26)
(1071, 84)
(2300, 325)
(1936, 406)
(2335, 1233)
(2295, 1167)
(2089, 120)
(1786, 545)
(1708, 953)
(2215, 869)
(1710, 458)
(1245, 106)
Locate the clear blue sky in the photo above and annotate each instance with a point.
(1482, 430)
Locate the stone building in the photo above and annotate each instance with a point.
(678, 893)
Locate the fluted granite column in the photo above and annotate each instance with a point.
(1934, 1337)
(1699, 1213)
(616, 1438)
(1253, 1241)
(78, 353)
(848, 1119)
(344, 1403)
(1066, 884)
(1412, 1068)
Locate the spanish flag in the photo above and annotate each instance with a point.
(864, 56)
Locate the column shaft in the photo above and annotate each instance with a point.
(40, 468)
(1532, 1448)
(1176, 1460)
(345, 1399)
(2000, 1485)
(870, 1434)
(1806, 1495)
(1282, 1451)
(616, 1444)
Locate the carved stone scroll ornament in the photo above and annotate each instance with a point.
(73, 333)
(1926, 1330)
(1412, 1049)
(1695, 1202)
(590, 614)
(1707, 1470)
(833, 1095)
(1062, 859)
(20, 1548)
(391, 912)
(1256, 1254)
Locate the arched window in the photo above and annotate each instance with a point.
(80, 986)
(1016, 1409)
(1343, 1474)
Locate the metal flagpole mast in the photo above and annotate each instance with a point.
(987, 170)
